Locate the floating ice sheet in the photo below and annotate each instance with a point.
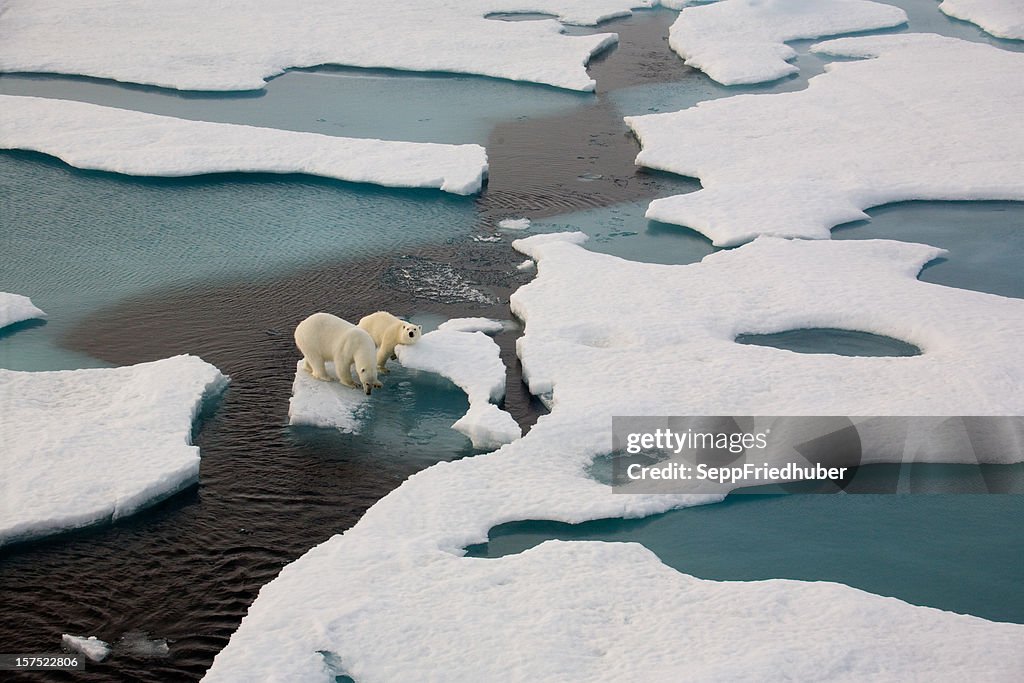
(889, 128)
(238, 44)
(461, 351)
(79, 447)
(1001, 18)
(92, 647)
(14, 308)
(103, 138)
(612, 337)
(316, 403)
(514, 224)
(744, 41)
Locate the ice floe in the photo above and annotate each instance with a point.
(92, 647)
(657, 340)
(744, 41)
(15, 308)
(237, 45)
(888, 128)
(315, 403)
(487, 325)
(461, 351)
(514, 224)
(81, 447)
(1001, 18)
(91, 136)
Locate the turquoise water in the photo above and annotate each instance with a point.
(841, 342)
(75, 240)
(985, 241)
(409, 420)
(622, 230)
(955, 552)
(362, 103)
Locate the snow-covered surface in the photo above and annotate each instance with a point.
(15, 308)
(315, 403)
(649, 339)
(744, 41)
(92, 647)
(1001, 18)
(79, 447)
(514, 224)
(889, 128)
(461, 351)
(487, 325)
(135, 143)
(237, 44)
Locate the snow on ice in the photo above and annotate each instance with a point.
(80, 447)
(649, 339)
(461, 351)
(238, 44)
(14, 308)
(134, 143)
(744, 41)
(890, 127)
(316, 403)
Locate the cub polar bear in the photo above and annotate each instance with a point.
(323, 336)
(388, 332)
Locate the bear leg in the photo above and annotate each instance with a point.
(382, 357)
(343, 366)
(316, 368)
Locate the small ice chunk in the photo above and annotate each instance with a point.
(514, 224)
(472, 361)
(526, 265)
(317, 403)
(488, 426)
(138, 644)
(14, 308)
(486, 238)
(92, 647)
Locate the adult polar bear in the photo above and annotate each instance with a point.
(388, 332)
(322, 337)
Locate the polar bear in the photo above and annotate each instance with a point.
(322, 337)
(388, 332)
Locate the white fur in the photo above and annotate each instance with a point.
(388, 332)
(322, 337)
